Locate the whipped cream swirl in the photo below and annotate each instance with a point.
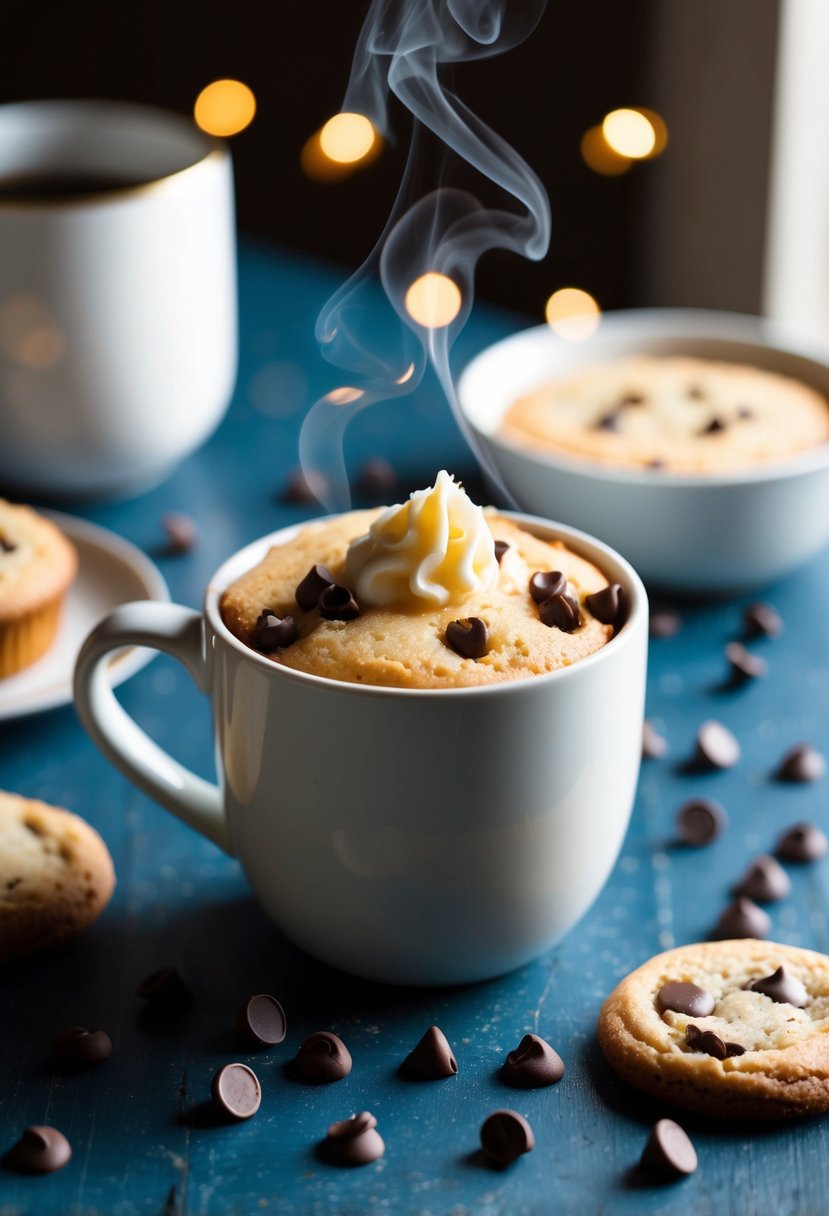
(436, 549)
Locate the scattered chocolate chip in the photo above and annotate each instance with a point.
(273, 632)
(781, 987)
(304, 489)
(165, 992)
(801, 763)
(261, 1021)
(501, 547)
(609, 421)
(705, 1041)
(80, 1048)
(632, 398)
(532, 1064)
(236, 1091)
(40, 1150)
(560, 612)
(431, 1059)
(7, 546)
(322, 1058)
(354, 1141)
(669, 1153)
(338, 604)
(608, 605)
(744, 665)
(664, 623)
(181, 532)
(760, 620)
(654, 745)
(468, 637)
(545, 583)
(765, 881)
(716, 746)
(713, 427)
(696, 392)
(742, 918)
(312, 586)
(802, 842)
(689, 999)
(505, 1136)
(700, 821)
(376, 480)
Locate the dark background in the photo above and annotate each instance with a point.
(684, 229)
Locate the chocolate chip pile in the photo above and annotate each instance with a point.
(321, 1059)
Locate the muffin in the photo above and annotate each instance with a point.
(674, 413)
(37, 567)
(433, 593)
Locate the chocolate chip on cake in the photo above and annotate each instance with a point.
(560, 612)
(431, 1059)
(533, 1064)
(802, 842)
(272, 632)
(609, 421)
(506, 1136)
(669, 1153)
(261, 1021)
(744, 665)
(354, 1141)
(716, 746)
(468, 637)
(688, 999)
(321, 1059)
(801, 763)
(501, 547)
(546, 583)
(782, 987)
(664, 622)
(607, 605)
(654, 745)
(705, 1041)
(6, 546)
(765, 881)
(181, 531)
(236, 1091)
(336, 603)
(742, 918)
(714, 426)
(761, 620)
(632, 398)
(696, 392)
(78, 1047)
(40, 1150)
(700, 821)
(312, 586)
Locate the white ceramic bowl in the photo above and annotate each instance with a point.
(724, 533)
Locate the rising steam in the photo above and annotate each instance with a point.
(407, 48)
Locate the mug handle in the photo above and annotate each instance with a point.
(178, 632)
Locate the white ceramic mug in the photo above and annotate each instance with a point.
(118, 328)
(411, 836)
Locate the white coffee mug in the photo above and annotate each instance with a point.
(118, 328)
(406, 835)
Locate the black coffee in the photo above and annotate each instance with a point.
(62, 183)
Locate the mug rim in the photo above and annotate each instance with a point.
(211, 149)
(581, 542)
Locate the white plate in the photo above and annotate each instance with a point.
(111, 571)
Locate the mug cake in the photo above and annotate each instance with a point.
(675, 413)
(431, 593)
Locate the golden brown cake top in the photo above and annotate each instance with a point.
(37, 562)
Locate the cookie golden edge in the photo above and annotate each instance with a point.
(43, 916)
(760, 1086)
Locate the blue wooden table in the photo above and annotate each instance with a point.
(139, 1144)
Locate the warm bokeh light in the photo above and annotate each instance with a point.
(572, 313)
(433, 300)
(600, 157)
(630, 133)
(225, 107)
(344, 396)
(27, 333)
(347, 138)
(407, 375)
(660, 130)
